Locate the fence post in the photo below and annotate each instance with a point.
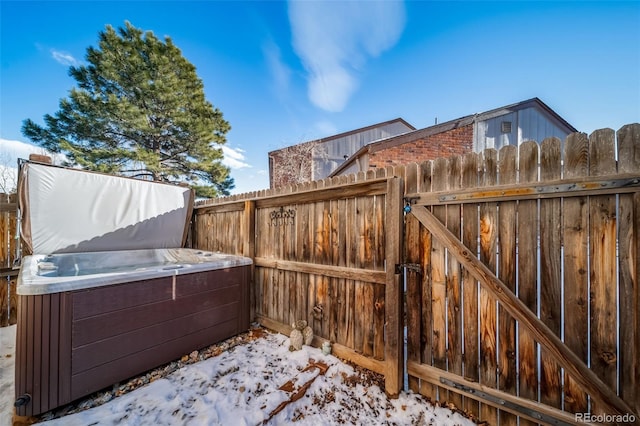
(394, 348)
(248, 237)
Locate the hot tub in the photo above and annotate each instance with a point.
(89, 320)
(108, 291)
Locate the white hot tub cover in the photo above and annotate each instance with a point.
(66, 210)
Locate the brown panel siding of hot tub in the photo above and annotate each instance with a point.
(102, 327)
(95, 301)
(208, 307)
(43, 352)
(122, 339)
(113, 372)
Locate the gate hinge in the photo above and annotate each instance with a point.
(415, 267)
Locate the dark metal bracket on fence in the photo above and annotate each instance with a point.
(480, 395)
(415, 267)
(9, 272)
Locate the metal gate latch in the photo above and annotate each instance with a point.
(415, 267)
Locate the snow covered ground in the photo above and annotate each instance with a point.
(255, 382)
(7, 358)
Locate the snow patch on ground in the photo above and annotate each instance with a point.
(253, 383)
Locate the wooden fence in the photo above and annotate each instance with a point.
(527, 302)
(8, 243)
(522, 273)
(322, 253)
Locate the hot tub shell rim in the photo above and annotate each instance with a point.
(30, 283)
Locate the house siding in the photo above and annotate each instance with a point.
(330, 154)
(528, 124)
(394, 143)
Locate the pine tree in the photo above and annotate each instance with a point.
(139, 109)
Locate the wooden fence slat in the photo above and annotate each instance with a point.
(488, 244)
(323, 249)
(602, 254)
(334, 259)
(507, 170)
(469, 283)
(413, 279)
(576, 299)
(527, 232)
(368, 261)
(361, 323)
(454, 308)
(293, 288)
(342, 242)
(550, 270)
(351, 251)
(425, 178)
(378, 289)
(394, 312)
(439, 279)
(629, 265)
(248, 239)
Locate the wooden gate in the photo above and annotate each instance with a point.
(523, 285)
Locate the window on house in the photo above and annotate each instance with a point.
(505, 127)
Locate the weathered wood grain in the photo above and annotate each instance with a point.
(379, 264)
(527, 234)
(576, 298)
(629, 268)
(394, 312)
(507, 225)
(8, 252)
(439, 279)
(602, 254)
(550, 270)
(433, 375)
(565, 357)
(360, 262)
(469, 283)
(488, 255)
(425, 179)
(335, 256)
(413, 279)
(453, 290)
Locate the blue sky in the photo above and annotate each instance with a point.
(287, 72)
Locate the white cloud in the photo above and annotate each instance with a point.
(234, 158)
(334, 40)
(63, 58)
(279, 71)
(11, 150)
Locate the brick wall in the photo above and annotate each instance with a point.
(291, 165)
(453, 142)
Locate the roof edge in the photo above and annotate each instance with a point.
(352, 132)
(446, 126)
